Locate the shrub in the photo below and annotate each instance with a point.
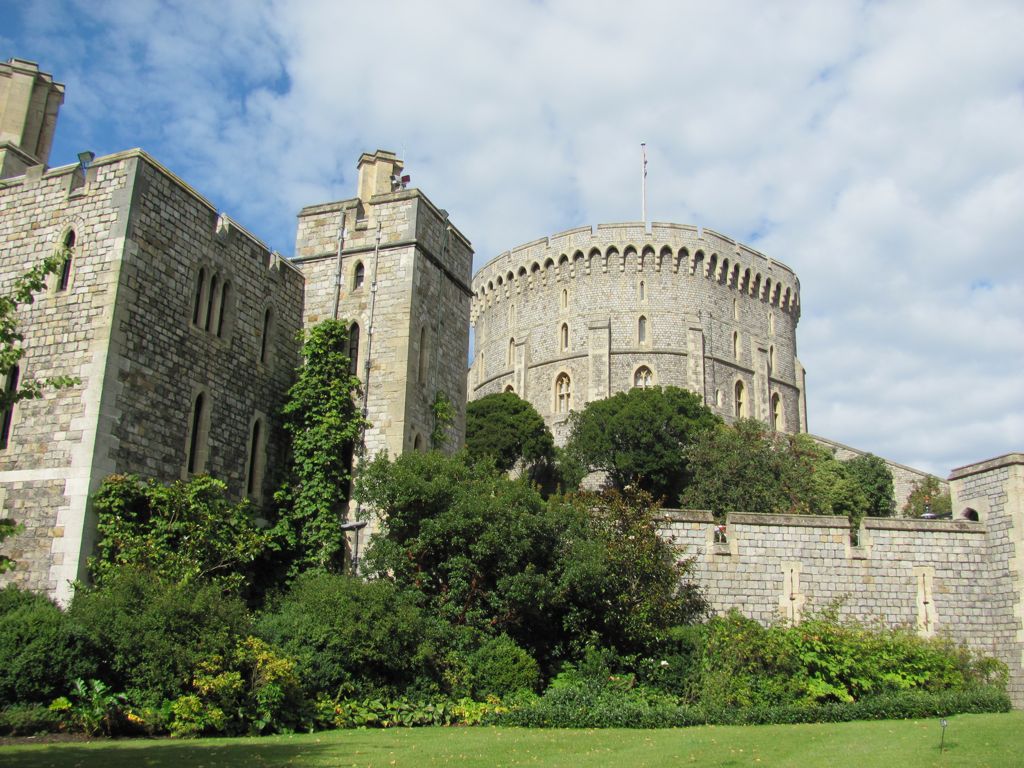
(28, 720)
(592, 704)
(348, 635)
(92, 708)
(154, 634)
(500, 667)
(40, 651)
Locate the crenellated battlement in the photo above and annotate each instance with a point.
(677, 248)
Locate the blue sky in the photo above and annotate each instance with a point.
(875, 147)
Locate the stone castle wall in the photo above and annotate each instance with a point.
(693, 307)
(124, 326)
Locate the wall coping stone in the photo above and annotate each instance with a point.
(918, 524)
(800, 521)
(1006, 460)
(685, 516)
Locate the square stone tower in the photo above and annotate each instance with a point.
(29, 103)
(392, 264)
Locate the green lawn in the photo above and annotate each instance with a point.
(971, 740)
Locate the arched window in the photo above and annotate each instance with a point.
(511, 315)
(642, 291)
(255, 474)
(268, 327)
(777, 423)
(417, 442)
(641, 330)
(736, 344)
(563, 338)
(353, 349)
(565, 298)
(563, 393)
(65, 268)
(11, 388)
(643, 377)
(719, 398)
(225, 296)
(771, 360)
(197, 438)
(511, 352)
(212, 306)
(740, 401)
(771, 323)
(735, 309)
(421, 369)
(358, 276)
(198, 308)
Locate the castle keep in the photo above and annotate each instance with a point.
(182, 330)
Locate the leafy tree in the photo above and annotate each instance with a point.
(509, 430)
(180, 532)
(746, 468)
(928, 497)
(873, 477)
(486, 553)
(620, 585)
(324, 424)
(11, 352)
(641, 437)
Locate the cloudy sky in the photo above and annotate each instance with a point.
(875, 147)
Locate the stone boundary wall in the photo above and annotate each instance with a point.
(937, 576)
(675, 304)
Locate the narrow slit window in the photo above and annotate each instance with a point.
(8, 413)
(198, 308)
(358, 276)
(211, 304)
(253, 484)
(422, 367)
(65, 268)
(268, 324)
(563, 336)
(196, 439)
(641, 330)
(225, 295)
(353, 350)
(740, 401)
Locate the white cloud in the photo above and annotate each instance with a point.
(876, 148)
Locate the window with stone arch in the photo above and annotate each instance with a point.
(740, 401)
(563, 393)
(736, 345)
(222, 309)
(199, 431)
(565, 298)
(64, 279)
(511, 315)
(255, 469)
(642, 291)
(266, 347)
(771, 323)
(735, 309)
(771, 359)
(212, 307)
(641, 330)
(563, 337)
(511, 357)
(643, 377)
(197, 309)
(358, 276)
(417, 442)
(778, 424)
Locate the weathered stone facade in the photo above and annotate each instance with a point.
(182, 329)
(590, 312)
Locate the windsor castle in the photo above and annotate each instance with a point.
(181, 330)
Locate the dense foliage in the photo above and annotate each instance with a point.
(322, 419)
(747, 468)
(640, 438)
(508, 429)
(928, 498)
(182, 532)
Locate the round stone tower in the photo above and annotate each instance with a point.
(584, 314)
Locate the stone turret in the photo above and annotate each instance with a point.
(29, 103)
(376, 174)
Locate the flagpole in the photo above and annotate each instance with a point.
(643, 183)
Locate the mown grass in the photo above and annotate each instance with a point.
(971, 740)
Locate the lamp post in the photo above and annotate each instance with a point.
(357, 526)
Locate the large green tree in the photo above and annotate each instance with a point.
(507, 429)
(928, 497)
(324, 423)
(640, 437)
